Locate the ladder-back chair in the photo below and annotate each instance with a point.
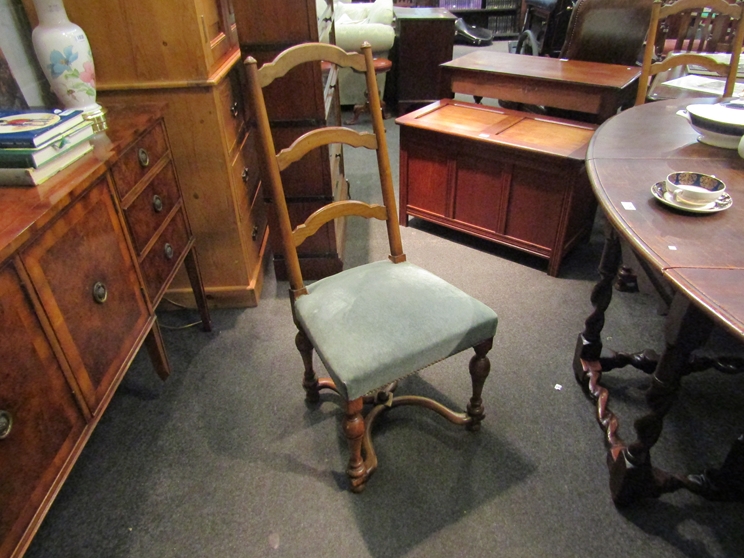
(728, 16)
(373, 324)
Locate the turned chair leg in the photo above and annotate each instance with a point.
(310, 379)
(480, 367)
(353, 426)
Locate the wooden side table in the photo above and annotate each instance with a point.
(424, 40)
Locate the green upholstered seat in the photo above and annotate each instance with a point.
(378, 322)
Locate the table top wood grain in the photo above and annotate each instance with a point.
(699, 253)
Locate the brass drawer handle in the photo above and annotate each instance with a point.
(6, 423)
(234, 109)
(157, 203)
(245, 174)
(144, 158)
(100, 293)
(168, 251)
(254, 235)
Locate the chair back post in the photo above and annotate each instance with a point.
(267, 155)
(383, 159)
(648, 53)
(735, 53)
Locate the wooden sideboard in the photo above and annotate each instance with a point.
(184, 53)
(85, 258)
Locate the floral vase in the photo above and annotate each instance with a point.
(65, 57)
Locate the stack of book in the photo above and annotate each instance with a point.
(38, 143)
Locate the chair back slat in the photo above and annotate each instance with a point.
(308, 52)
(333, 211)
(710, 22)
(323, 136)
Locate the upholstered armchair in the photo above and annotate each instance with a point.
(355, 24)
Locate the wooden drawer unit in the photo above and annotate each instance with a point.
(154, 211)
(40, 421)
(76, 305)
(164, 255)
(98, 311)
(515, 178)
(139, 159)
(424, 39)
(154, 205)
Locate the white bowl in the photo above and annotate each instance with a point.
(719, 124)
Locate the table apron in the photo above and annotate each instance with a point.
(570, 96)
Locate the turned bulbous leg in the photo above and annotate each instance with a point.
(353, 427)
(309, 379)
(480, 367)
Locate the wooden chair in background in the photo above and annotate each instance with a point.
(376, 323)
(714, 24)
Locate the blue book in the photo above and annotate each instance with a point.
(35, 126)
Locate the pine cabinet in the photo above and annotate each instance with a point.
(302, 100)
(184, 53)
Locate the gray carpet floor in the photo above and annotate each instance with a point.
(225, 459)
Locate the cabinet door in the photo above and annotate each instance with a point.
(39, 419)
(217, 19)
(86, 278)
(279, 21)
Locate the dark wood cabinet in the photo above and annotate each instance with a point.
(506, 176)
(424, 40)
(300, 101)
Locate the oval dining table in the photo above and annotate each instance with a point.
(695, 261)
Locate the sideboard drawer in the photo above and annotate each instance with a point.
(254, 227)
(232, 109)
(246, 173)
(39, 419)
(160, 262)
(139, 159)
(149, 210)
(83, 271)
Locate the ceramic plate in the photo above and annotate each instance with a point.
(659, 191)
